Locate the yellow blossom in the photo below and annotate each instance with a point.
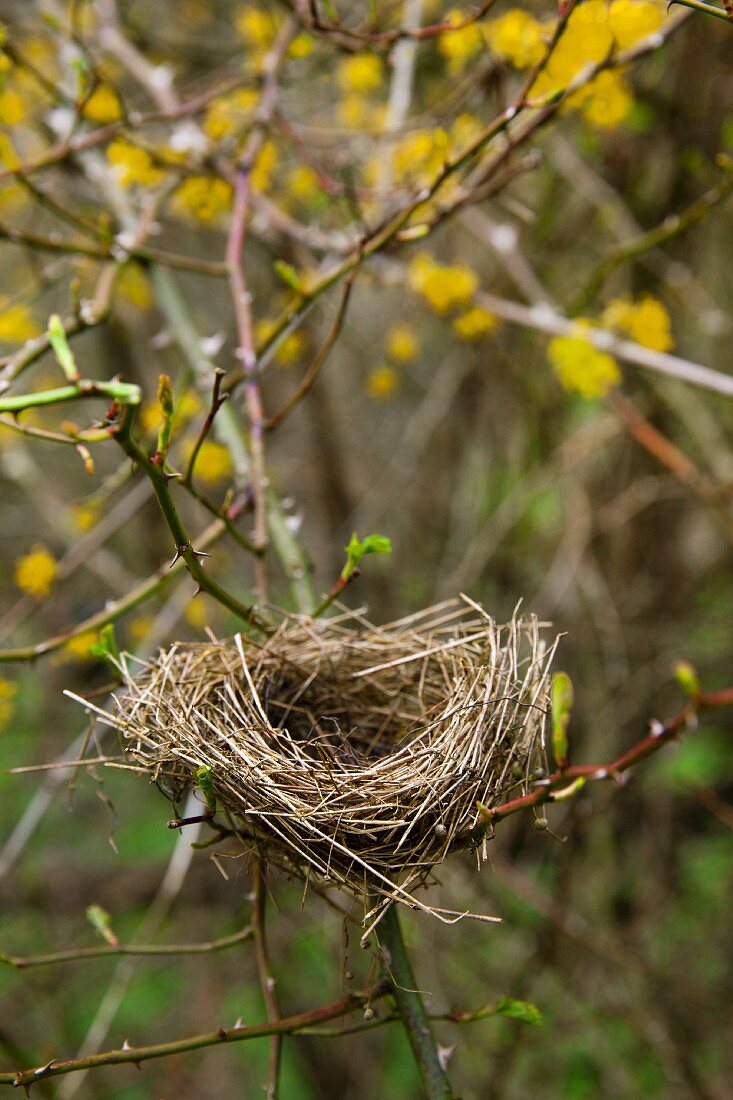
(264, 167)
(8, 691)
(103, 105)
(646, 321)
(357, 112)
(459, 46)
(133, 285)
(607, 101)
(257, 27)
(402, 344)
(16, 323)
(303, 184)
(290, 350)
(300, 47)
(85, 516)
(139, 627)
(205, 198)
(79, 646)
(517, 37)
(196, 614)
(632, 20)
(381, 382)
(35, 571)
(228, 114)
(420, 156)
(12, 107)
(132, 165)
(360, 73)
(580, 367)
(475, 324)
(213, 462)
(444, 288)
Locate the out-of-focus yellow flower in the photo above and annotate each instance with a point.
(358, 112)
(303, 184)
(475, 324)
(16, 323)
(580, 367)
(646, 321)
(402, 343)
(264, 167)
(360, 73)
(443, 287)
(204, 198)
(35, 571)
(228, 114)
(133, 285)
(606, 102)
(381, 382)
(257, 27)
(459, 46)
(78, 647)
(213, 462)
(632, 20)
(517, 37)
(300, 47)
(138, 628)
(85, 516)
(103, 105)
(8, 692)
(132, 165)
(196, 614)
(290, 350)
(12, 107)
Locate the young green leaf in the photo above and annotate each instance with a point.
(101, 921)
(106, 649)
(288, 275)
(562, 702)
(359, 548)
(686, 678)
(518, 1010)
(60, 344)
(205, 782)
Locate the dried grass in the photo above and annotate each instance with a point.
(350, 754)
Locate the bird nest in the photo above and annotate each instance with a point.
(347, 753)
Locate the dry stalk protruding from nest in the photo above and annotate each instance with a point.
(345, 752)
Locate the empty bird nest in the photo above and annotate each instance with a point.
(350, 754)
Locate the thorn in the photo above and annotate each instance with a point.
(239, 1022)
(200, 553)
(180, 551)
(126, 1045)
(44, 1069)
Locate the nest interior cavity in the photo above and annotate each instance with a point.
(348, 753)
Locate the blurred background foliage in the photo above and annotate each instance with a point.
(496, 458)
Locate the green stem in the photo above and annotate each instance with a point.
(412, 1010)
(708, 9)
(125, 392)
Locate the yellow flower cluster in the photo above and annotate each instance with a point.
(402, 343)
(35, 571)
(443, 287)
(290, 350)
(228, 114)
(213, 462)
(418, 157)
(359, 78)
(16, 323)
(8, 691)
(381, 382)
(132, 165)
(103, 105)
(646, 321)
(204, 198)
(475, 324)
(580, 367)
(594, 30)
(303, 185)
(259, 27)
(459, 46)
(516, 36)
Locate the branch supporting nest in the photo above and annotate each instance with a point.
(347, 753)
